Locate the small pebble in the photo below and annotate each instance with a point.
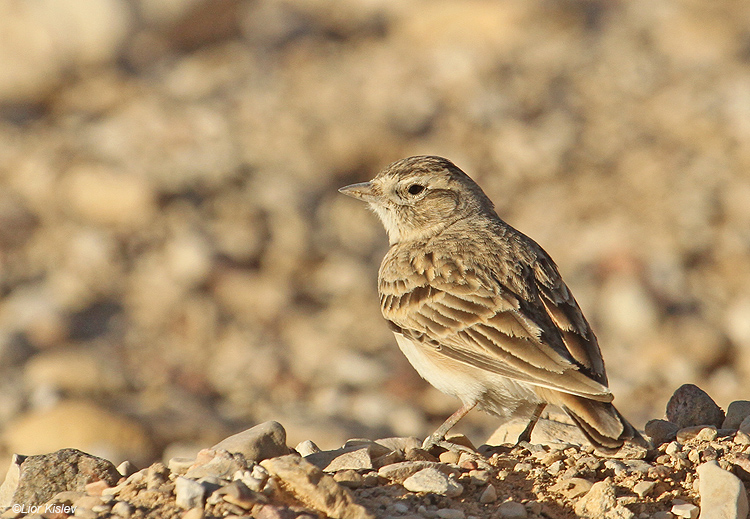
(126, 468)
(433, 481)
(644, 488)
(673, 448)
(512, 510)
(450, 513)
(489, 495)
(123, 509)
(686, 510)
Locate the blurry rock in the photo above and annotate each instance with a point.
(75, 371)
(82, 425)
(17, 222)
(723, 495)
(44, 40)
(36, 479)
(266, 440)
(686, 510)
(433, 481)
(601, 503)
(690, 405)
(314, 488)
(736, 413)
(101, 196)
(660, 431)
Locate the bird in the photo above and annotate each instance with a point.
(480, 310)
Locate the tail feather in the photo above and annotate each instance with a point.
(604, 426)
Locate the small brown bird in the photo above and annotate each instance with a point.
(480, 309)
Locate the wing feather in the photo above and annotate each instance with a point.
(539, 337)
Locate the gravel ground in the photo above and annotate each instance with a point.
(176, 264)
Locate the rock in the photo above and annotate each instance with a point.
(660, 431)
(644, 488)
(125, 509)
(101, 196)
(489, 495)
(399, 472)
(450, 513)
(349, 478)
(572, 488)
(353, 457)
(690, 406)
(189, 493)
(736, 413)
(216, 463)
(266, 440)
(400, 443)
(601, 503)
(36, 479)
(741, 438)
(512, 510)
(193, 513)
(42, 42)
(307, 447)
(686, 510)
(87, 427)
(723, 495)
(697, 432)
(745, 426)
(126, 468)
(314, 488)
(180, 466)
(431, 480)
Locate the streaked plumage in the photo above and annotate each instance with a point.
(480, 309)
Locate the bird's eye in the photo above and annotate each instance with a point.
(415, 189)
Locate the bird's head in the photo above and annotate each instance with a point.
(418, 197)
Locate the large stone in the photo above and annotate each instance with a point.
(36, 479)
(266, 440)
(81, 425)
(723, 495)
(690, 405)
(314, 488)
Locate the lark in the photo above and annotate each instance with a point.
(480, 309)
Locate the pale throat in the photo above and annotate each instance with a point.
(389, 222)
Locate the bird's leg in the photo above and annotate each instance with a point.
(439, 435)
(525, 436)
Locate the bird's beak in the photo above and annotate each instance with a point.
(362, 191)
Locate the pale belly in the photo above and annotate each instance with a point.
(492, 392)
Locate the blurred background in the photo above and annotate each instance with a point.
(176, 264)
